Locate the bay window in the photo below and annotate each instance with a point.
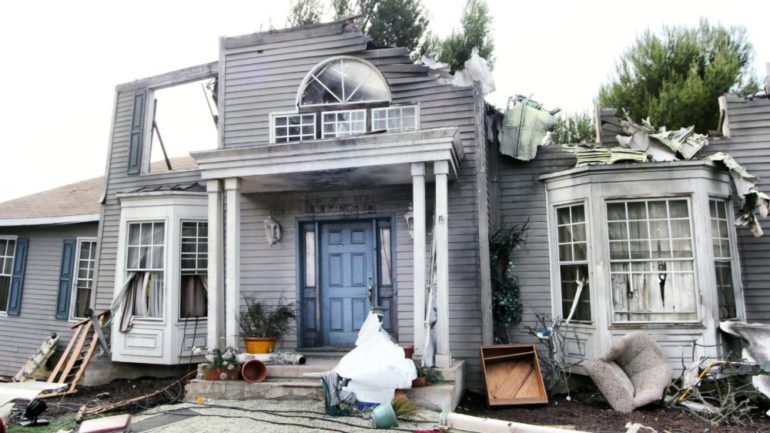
(644, 246)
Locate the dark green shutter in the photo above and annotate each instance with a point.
(65, 279)
(137, 134)
(17, 278)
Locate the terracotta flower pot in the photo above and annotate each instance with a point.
(259, 344)
(420, 382)
(220, 374)
(408, 350)
(253, 371)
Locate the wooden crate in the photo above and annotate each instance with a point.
(512, 375)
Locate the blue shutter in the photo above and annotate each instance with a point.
(137, 134)
(17, 279)
(65, 279)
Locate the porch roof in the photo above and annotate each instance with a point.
(369, 160)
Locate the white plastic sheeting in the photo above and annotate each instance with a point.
(476, 69)
(757, 350)
(377, 366)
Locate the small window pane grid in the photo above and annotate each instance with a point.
(145, 246)
(7, 252)
(84, 278)
(195, 247)
(651, 260)
(292, 128)
(573, 261)
(343, 123)
(394, 119)
(720, 238)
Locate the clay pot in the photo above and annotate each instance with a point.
(220, 374)
(253, 371)
(259, 344)
(419, 382)
(408, 350)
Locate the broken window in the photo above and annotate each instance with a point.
(7, 251)
(84, 278)
(573, 262)
(651, 260)
(146, 246)
(720, 237)
(184, 119)
(194, 269)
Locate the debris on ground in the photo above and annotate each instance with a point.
(168, 393)
(108, 424)
(35, 368)
(512, 375)
(469, 423)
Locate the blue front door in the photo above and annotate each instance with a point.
(347, 277)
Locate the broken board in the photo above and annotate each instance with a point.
(512, 375)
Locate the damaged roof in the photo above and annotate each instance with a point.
(74, 203)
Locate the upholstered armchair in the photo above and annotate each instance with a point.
(633, 372)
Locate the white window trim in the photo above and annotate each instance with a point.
(4, 311)
(272, 137)
(74, 288)
(166, 254)
(309, 76)
(323, 123)
(401, 107)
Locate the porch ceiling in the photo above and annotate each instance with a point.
(370, 160)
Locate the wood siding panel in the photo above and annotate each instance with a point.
(20, 336)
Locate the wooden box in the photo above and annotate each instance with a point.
(512, 375)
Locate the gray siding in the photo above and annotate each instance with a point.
(262, 79)
(119, 181)
(749, 143)
(520, 197)
(20, 336)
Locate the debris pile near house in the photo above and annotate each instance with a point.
(643, 142)
(35, 367)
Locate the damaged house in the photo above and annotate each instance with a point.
(345, 176)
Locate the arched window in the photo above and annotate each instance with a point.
(343, 80)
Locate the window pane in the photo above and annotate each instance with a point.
(384, 257)
(725, 293)
(133, 234)
(562, 216)
(652, 279)
(310, 258)
(157, 237)
(678, 209)
(565, 234)
(573, 277)
(157, 257)
(5, 285)
(616, 211)
(193, 299)
(580, 252)
(579, 232)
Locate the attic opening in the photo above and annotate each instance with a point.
(183, 119)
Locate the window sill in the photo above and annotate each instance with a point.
(657, 325)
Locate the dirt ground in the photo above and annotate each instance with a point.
(588, 411)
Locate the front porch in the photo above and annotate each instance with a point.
(300, 187)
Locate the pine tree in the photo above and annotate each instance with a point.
(304, 12)
(475, 32)
(577, 128)
(676, 77)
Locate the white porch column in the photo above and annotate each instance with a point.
(418, 242)
(232, 259)
(441, 232)
(215, 269)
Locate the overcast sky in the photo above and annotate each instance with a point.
(62, 60)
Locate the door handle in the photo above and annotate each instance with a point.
(370, 292)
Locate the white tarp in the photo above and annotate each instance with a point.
(377, 366)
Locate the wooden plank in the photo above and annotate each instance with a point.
(63, 358)
(75, 354)
(88, 356)
(510, 356)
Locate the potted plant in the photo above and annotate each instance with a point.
(222, 364)
(426, 376)
(263, 325)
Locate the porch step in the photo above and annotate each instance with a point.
(290, 382)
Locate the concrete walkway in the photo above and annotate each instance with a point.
(277, 416)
